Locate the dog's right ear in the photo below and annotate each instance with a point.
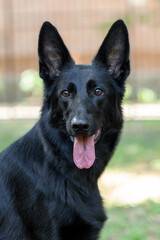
(53, 54)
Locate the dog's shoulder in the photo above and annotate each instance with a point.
(21, 158)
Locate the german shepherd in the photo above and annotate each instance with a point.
(48, 178)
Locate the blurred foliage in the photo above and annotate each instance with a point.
(30, 82)
(145, 18)
(131, 17)
(128, 19)
(128, 92)
(146, 95)
(1, 85)
(1, 89)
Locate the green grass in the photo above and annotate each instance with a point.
(139, 146)
(139, 222)
(11, 130)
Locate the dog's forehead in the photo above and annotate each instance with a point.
(84, 71)
(79, 73)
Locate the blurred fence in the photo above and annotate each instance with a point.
(82, 24)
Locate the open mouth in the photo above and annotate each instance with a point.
(96, 136)
(84, 150)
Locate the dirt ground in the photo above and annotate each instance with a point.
(129, 188)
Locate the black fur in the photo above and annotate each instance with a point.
(43, 195)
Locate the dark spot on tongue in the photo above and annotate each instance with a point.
(84, 151)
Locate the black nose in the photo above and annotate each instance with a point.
(80, 125)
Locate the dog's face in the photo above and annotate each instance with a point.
(86, 98)
(82, 96)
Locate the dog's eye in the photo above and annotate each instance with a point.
(98, 92)
(65, 93)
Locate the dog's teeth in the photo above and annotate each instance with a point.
(72, 138)
(97, 135)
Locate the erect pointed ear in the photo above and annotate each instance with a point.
(114, 52)
(53, 54)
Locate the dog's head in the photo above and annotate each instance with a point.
(85, 99)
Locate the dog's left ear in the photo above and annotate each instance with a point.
(53, 54)
(114, 52)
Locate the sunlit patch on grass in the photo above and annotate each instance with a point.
(125, 188)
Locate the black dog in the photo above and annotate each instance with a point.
(48, 178)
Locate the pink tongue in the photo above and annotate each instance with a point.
(84, 151)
